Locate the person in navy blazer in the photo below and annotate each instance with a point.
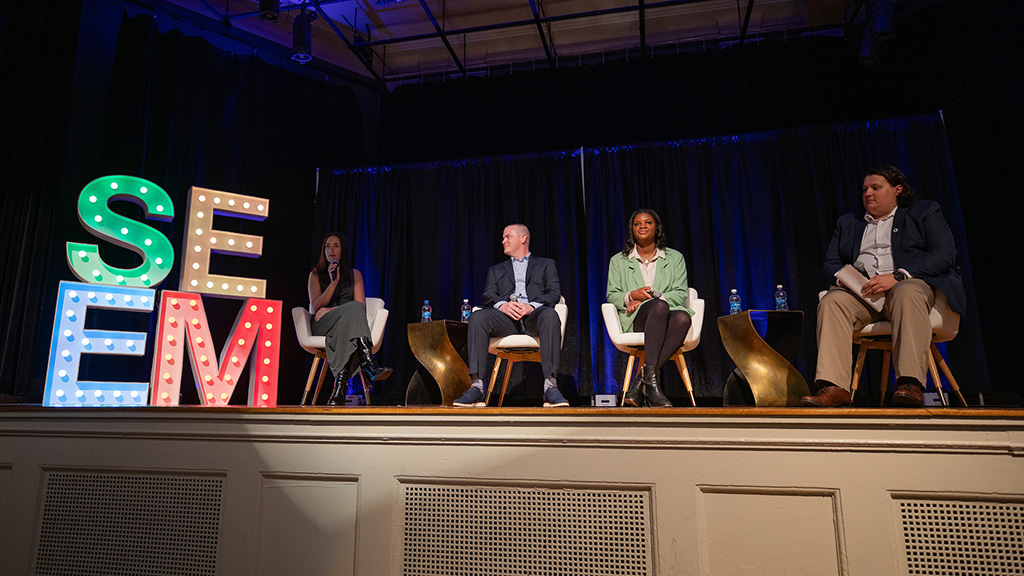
(519, 297)
(906, 248)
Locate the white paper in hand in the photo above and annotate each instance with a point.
(853, 280)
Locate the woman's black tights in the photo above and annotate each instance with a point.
(664, 330)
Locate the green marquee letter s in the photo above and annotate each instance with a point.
(97, 217)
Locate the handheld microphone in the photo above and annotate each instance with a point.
(860, 268)
(334, 273)
(513, 297)
(655, 293)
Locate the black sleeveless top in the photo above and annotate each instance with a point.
(344, 292)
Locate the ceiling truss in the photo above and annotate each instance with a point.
(393, 41)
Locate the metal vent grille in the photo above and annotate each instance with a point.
(143, 525)
(945, 538)
(506, 531)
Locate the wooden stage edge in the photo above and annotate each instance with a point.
(980, 413)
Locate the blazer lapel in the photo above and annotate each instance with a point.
(634, 270)
(858, 236)
(510, 276)
(663, 274)
(529, 274)
(896, 237)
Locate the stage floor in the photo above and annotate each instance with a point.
(971, 413)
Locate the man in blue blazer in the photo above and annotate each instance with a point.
(519, 297)
(906, 249)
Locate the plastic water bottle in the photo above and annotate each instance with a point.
(466, 309)
(425, 311)
(734, 303)
(781, 303)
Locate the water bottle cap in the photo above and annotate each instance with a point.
(779, 287)
(426, 301)
(733, 290)
(465, 300)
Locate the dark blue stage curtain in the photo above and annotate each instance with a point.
(430, 231)
(747, 211)
(755, 210)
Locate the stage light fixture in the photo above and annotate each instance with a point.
(302, 38)
(269, 10)
(880, 17)
(878, 28)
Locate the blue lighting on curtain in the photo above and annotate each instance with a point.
(747, 211)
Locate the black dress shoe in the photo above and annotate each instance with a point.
(340, 388)
(367, 364)
(828, 397)
(635, 393)
(652, 388)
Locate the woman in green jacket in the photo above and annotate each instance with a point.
(647, 285)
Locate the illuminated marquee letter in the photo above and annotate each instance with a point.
(71, 339)
(182, 323)
(97, 217)
(201, 240)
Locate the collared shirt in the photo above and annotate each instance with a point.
(876, 244)
(648, 270)
(519, 266)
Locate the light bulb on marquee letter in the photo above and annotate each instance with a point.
(216, 381)
(96, 216)
(70, 339)
(201, 239)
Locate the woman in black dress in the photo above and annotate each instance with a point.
(338, 305)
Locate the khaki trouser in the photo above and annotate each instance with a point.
(840, 314)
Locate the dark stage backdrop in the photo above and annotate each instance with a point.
(748, 211)
(972, 75)
(430, 231)
(108, 93)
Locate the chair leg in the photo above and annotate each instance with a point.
(886, 358)
(494, 377)
(857, 370)
(935, 380)
(681, 365)
(625, 383)
(504, 383)
(320, 383)
(945, 371)
(309, 381)
(366, 389)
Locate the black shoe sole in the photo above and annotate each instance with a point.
(384, 374)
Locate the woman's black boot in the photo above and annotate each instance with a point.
(635, 393)
(367, 364)
(652, 388)
(340, 388)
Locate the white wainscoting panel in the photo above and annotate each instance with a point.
(308, 525)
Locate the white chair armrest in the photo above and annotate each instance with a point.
(611, 321)
(377, 320)
(302, 318)
(697, 321)
(563, 314)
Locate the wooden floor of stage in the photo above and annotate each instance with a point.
(980, 412)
